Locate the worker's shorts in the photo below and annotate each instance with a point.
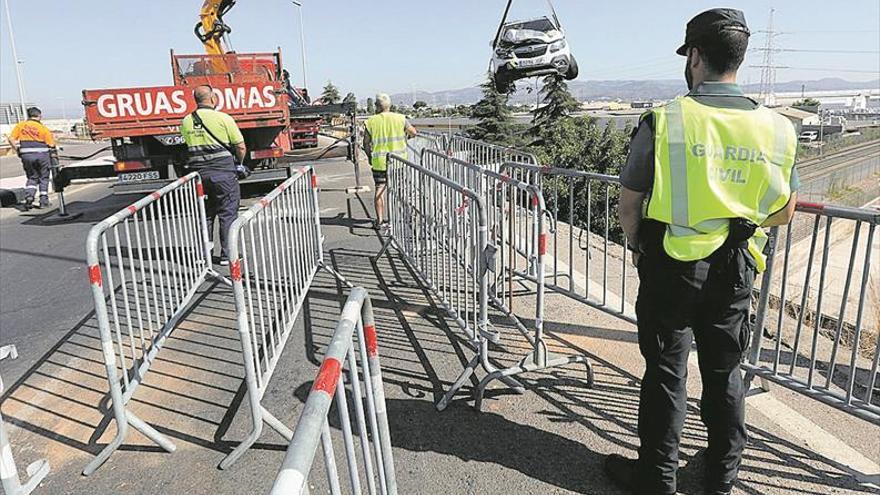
(380, 177)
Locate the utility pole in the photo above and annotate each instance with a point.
(17, 62)
(768, 70)
(302, 44)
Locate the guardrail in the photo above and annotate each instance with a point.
(157, 251)
(8, 471)
(486, 154)
(822, 336)
(584, 235)
(313, 425)
(276, 250)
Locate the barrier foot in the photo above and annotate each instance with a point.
(527, 364)
(36, 472)
(150, 432)
(336, 274)
(277, 425)
(122, 431)
(219, 277)
(459, 382)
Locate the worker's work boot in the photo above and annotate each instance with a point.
(625, 474)
(44, 201)
(28, 203)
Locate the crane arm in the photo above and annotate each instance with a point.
(211, 30)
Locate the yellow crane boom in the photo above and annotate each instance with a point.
(211, 31)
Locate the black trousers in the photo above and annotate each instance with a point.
(36, 168)
(677, 301)
(222, 198)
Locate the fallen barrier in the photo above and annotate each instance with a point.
(354, 339)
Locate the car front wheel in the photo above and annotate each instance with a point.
(572, 71)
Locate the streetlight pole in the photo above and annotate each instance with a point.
(17, 63)
(302, 44)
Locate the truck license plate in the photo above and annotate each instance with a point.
(138, 176)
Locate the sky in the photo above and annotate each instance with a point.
(392, 46)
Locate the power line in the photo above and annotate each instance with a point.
(798, 50)
(822, 69)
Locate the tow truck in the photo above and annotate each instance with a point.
(142, 123)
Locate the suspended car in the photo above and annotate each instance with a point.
(531, 48)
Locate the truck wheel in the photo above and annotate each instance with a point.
(572, 72)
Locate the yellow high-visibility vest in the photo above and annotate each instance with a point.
(712, 164)
(387, 135)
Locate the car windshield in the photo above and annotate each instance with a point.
(518, 32)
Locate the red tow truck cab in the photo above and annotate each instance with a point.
(142, 123)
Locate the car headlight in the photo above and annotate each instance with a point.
(557, 45)
(502, 52)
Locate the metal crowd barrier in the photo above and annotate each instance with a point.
(313, 426)
(821, 313)
(275, 252)
(485, 154)
(582, 259)
(145, 265)
(8, 471)
(512, 213)
(422, 141)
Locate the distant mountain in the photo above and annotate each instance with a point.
(626, 90)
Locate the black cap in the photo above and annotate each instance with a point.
(710, 23)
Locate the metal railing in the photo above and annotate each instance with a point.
(486, 154)
(821, 312)
(313, 426)
(145, 265)
(586, 258)
(439, 227)
(275, 252)
(422, 141)
(36, 471)
(511, 215)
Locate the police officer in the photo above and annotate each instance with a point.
(386, 132)
(705, 172)
(35, 145)
(215, 146)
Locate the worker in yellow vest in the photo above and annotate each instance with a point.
(386, 132)
(705, 173)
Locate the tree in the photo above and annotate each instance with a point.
(495, 118)
(349, 98)
(330, 94)
(556, 104)
(420, 105)
(371, 107)
(580, 143)
(807, 102)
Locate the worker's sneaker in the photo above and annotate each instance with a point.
(44, 201)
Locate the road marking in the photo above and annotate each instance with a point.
(816, 438)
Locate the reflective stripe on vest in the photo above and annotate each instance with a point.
(713, 164)
(387, 135)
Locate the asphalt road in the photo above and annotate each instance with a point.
(550, 440)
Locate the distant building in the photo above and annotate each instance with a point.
(642, 104)
(799, 118)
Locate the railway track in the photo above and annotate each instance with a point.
(818, 167)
